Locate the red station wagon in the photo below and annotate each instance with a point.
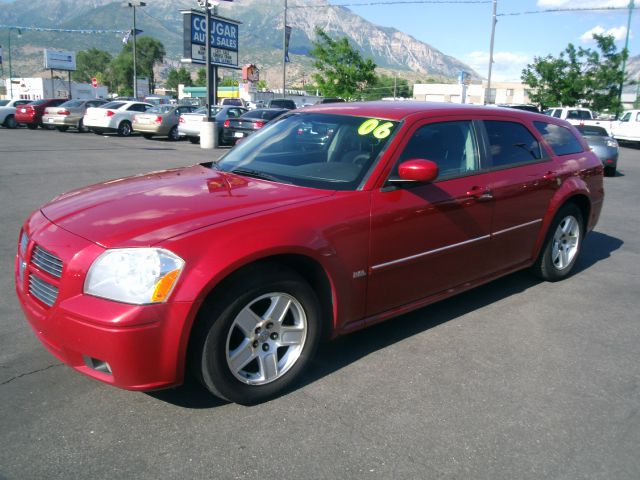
(326, 221)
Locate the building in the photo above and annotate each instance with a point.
(37, 88)
(500, 93)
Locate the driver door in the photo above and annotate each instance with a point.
(429, 238)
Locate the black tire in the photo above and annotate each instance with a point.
(552, 265)
(10, 122)
(124, 129)
(32, 126)
(609, 171)
(217, 330)
(148, 136)
(81, 127)
(63, 128)
(194, 140)
(173, 134)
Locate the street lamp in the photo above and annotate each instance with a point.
(10, 69)
(134, 32)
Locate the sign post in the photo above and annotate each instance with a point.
(221, 50)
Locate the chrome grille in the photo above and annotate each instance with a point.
(43, 291)
(46, 261)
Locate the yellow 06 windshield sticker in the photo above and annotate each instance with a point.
(379, 130)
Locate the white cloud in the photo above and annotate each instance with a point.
(507, 66)
(618, 33)
(583, 3)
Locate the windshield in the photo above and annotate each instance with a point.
(112, 105)
(317, 150)
(161, 109)
(73, 103)
(593, 131)
(263, 114)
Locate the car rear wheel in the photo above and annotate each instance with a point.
(194, 140)
(256, 339)
(10, 122)
(562, 245)
(173, 134)
(124, 129)
(32, 126)
(63, 128)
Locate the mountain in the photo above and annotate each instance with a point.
(260, 34)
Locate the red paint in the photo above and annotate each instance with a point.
(384, 251)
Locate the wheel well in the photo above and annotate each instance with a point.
(306, 267)
(582, 202)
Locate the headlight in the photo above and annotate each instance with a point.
(24, 243)
(611, 142)
(134, 275)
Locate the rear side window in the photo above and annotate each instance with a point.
(557, 113)
(138, 107)
(561, 140)
(510, 143)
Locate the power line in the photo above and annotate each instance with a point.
(60, 30)
(395, 2)
(556, 10)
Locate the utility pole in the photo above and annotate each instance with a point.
(494, 20)
(284, 53)
(626, 52)
(10, 69)
(135, 75)
(209, 128)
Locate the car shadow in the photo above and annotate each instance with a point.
(343, 351)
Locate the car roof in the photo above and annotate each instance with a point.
(400, 110)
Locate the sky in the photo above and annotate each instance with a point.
(464, 30)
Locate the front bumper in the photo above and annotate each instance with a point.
(129, 346)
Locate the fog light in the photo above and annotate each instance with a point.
(98, 365)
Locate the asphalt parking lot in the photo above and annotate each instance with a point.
(517, 379)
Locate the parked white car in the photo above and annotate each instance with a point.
(579, 116)
(627, 129)
(116, 116)
(8, 110)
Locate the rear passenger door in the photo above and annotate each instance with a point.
(521, 177)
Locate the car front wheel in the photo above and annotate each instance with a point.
(256, 339)
(562, 245)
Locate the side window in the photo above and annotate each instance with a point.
(557, 113)
(626, 117)
(452, 145)
(637, 117)
(510, 143)
(561, 140)
(573, 114)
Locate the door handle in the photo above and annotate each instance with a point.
(480, 194)
(550, 175)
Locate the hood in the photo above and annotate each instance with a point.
(147, 209)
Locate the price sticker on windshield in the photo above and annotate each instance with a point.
(375, 127)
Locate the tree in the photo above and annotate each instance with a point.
(201, 79)
(384, 86)
(342, 72)
(578, 77)
(91, 63)
(177, 77)
(149, 51)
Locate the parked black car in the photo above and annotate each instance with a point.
(247, 123)
(282, 103)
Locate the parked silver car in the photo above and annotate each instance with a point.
(605, 147)
(190, 124)
(160, 121)
(69, 114)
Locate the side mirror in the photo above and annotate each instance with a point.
(418, 170)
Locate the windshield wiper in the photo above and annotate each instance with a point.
(247, 172)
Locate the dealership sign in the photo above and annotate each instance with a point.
(223, 41)
(59, 60)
